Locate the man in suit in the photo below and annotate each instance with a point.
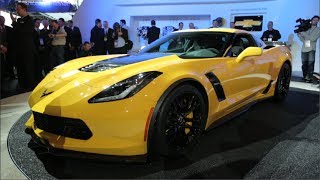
(108, 41)
(215, 23)
(45, 47)
(6, 50)
(75, 40)
(153, 32)
(25, 48)
(97, 38)
(39, 46)
(180, 27)
(67, 52)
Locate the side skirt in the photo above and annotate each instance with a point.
(268, 87)
(232, 115)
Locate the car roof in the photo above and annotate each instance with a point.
(227, 30)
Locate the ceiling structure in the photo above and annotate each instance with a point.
(45, 9)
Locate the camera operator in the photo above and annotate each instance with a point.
(271, 34)
(308, 51)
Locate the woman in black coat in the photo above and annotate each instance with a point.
(120, 38)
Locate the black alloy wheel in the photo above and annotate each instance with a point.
(283, 83)
(181, 121)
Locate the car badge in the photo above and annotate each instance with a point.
(45, 93)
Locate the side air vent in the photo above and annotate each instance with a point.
(217, 86)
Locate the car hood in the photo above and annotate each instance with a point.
(91, 75)
(114, 68)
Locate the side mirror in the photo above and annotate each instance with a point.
(250, 51)
(142, 47)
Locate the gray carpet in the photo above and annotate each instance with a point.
(268, 141)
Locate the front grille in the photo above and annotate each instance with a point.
(68, 127)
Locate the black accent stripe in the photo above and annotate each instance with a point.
(267, 88)
(121, 61)
(217, 86)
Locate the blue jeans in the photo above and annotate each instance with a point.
(308, 59)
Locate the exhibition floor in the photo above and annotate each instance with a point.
(268, 141)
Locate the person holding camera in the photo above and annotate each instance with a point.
(58, 36)
(309, 39)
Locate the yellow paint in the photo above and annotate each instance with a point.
(118, 127)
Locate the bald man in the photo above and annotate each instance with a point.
(271, 34)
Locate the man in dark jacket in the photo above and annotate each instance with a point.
(271, 34)
(86, 50)
(153, 32)
(108, 41)
(45, 47)
(39, 44)
(25, 48)
(97, 38)
(75, 40)
(6, 50)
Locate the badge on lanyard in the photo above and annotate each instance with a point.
(307, 43)
(41, 42)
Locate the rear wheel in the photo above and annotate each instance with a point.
(180, 121)
(283, 83)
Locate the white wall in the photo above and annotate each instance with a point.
(282, 12)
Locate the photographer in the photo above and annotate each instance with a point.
(58, 36)
(309, 39)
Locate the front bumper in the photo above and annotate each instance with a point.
(43, 146)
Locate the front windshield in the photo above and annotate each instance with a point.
(191, 44)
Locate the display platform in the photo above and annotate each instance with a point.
(268, 141)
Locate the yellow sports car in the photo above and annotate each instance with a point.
(159, 100)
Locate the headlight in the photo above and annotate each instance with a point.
(126, 88)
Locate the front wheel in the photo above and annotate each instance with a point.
(283, 83)
(180, 121)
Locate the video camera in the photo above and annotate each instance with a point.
(305, 25)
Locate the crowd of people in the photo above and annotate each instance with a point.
(28, 53)
(32, 51)
(35, 52)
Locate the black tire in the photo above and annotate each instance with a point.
(283, 83)
(180, 122)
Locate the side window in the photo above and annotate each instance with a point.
(240, 43)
